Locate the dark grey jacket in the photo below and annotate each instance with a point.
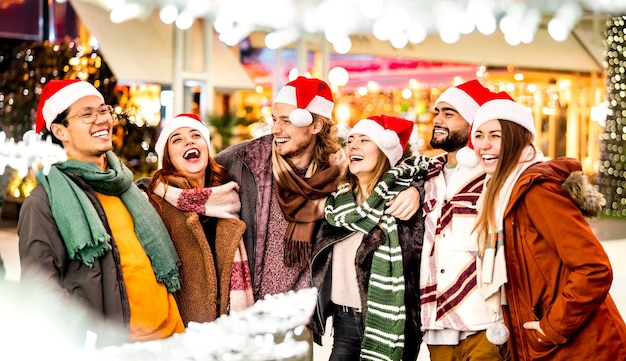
(249, 164)
(44, 258)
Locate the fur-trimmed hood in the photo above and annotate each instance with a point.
(586, 195)
(568, 173)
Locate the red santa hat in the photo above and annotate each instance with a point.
(57, 96)
(390, 134)
(466, 98)
(502, 106)
(308, 95)
(179, 121)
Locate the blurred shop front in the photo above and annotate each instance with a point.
(567, 105)
(562, 82)
(160, 70)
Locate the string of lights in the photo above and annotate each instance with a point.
(612, 175)
(400, 22)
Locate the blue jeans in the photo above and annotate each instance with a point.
(348, 330)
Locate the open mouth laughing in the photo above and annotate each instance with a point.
(192, 153)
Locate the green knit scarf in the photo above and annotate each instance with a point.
(85, 237)
(384, 321)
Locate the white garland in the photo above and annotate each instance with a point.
(263, 332)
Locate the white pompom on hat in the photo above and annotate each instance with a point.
(57, 96)
(308, 95)
(180, 121)
(390, 134)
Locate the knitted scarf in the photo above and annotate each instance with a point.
(301, 200)
(386, 313)
(83, 232)
(491, 267)
(218, 202)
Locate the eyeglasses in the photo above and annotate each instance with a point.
(90, 115)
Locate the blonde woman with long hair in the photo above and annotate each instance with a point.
(366, 262)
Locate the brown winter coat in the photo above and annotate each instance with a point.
(197, 297)
(558, 272)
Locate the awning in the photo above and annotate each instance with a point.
(141, 50)
(582, 51)
(543, 53)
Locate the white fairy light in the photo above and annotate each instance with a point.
(168, 14)
(483, 14)
(343, 45)
(371, 9)
(381, 30)
(127, 12)
(446, 26)
(566, 17)
(338, 76)
(341, 19)
(280, 38)
(528, 27)
(511, 21)
(416, 34)
(235, 35)
(399, 40)
(184, 20)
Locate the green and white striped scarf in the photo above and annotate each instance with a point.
(386, 313)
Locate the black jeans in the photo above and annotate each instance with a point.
(348, 327)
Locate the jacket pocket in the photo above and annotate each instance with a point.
(539, 344)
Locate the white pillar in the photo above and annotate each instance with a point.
(324, 68)
(278, 69)
(178, 86)
(209, 88)
(301, 56)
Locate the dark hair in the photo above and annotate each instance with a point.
(60, 119)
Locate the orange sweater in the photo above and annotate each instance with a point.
(153, 310)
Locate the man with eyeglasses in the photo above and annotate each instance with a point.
(90, 234)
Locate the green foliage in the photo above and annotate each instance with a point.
(225, 126)
(26, 67)
(135, 146)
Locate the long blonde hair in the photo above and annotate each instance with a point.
(515, 139)
(327, 141)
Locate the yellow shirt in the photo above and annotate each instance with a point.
(153, 310)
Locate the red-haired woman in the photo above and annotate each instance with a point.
(200, 209)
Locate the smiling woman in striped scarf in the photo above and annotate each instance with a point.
(366, 262)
